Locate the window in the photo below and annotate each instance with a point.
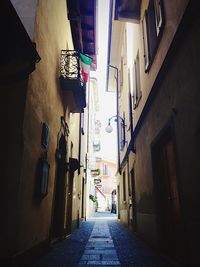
(82, 123)
(121, 73)
(145, 42)
(71, 149)
(124, 186)
(152, 26)
(137, 94)
(122, 137)
(124, 49)
(105, 169)
(123, 61)
(120, 78)
(96, 146)
(129, 185)
(158, 15)
(130, 99)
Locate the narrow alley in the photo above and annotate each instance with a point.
(100, 133)
(101, 241)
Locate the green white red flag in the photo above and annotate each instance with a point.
(85, 66)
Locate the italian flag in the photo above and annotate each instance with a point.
(85, 66)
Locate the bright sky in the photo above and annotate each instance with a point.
(107, 101)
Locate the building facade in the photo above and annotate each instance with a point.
(105, 184)
(156, 61)
(42, 180)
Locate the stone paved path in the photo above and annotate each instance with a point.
(68, 252)
(101, 241)
(132, 251)
(100, 249)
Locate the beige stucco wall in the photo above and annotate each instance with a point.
(123, 91)
(174, 11)
(43, 104)
(178, 100)
(123, 203)
(173, 15)
(125, 207)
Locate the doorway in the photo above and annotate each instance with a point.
(133, 196)
(118, 202)
(169, 221)
(70, 180)
(60, 190)
(82, 200)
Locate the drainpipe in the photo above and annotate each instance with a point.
(117, 106)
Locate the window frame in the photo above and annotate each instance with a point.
(130, 99)
(105, 169)
(83, 123)
(124, 185)
(145, 40)
(137, 93)
(152, 28)
(159, 13)
(122, 133)
(121, 73)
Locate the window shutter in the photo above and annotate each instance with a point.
(134, 85)
(151, 29)
(121, 73)
(130, 98)
(159, 15)
(121, 132)
(137, 77)
(145, 40)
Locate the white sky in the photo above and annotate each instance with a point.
(107, 100)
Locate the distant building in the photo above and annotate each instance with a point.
(106, 183)
(93, 145)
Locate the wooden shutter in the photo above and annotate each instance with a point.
(151, 29)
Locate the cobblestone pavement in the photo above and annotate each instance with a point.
(101, 241)
(132, 252)
(100, 249)
(68, 252)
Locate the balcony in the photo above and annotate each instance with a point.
(72, 85)
(95, 172)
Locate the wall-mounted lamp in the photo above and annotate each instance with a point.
(121, 130)
(109, 128)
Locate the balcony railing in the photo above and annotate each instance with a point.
(72, 85)
(70, 64)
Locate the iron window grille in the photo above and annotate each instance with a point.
(70, 65)
(71, 80)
